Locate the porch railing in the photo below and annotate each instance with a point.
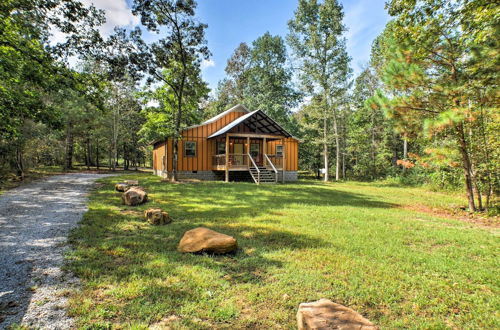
(273, 167)
(219, 160)
(276, 161)
(254, 170)
(234, 160)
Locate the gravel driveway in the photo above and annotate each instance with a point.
(35, 220)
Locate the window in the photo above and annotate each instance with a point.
(279, 150)
(189, 149)
(255, 149)
(221, 148)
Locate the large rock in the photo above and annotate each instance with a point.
(122, 187)
(132, 182)
(157, 217)
(134, 196)
(325, 314)
(206, 240)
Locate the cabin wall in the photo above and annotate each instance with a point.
(291, 152)
(158, 153)
(205, 149)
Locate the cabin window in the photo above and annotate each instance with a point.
(190, 149)
(279, 150)
(221, 148)
(255, 149)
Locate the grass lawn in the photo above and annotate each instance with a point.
(375, 248)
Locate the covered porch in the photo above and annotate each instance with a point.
(262, 155)
(253, 143)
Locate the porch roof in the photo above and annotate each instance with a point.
(258, 122)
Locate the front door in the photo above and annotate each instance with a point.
(238, 154)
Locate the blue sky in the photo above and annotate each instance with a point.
(233, 21)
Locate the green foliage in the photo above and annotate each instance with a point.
(435, 87)
(260, 78)
(315, 36)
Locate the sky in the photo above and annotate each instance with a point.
(231, 22)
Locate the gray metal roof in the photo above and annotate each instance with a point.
(258, 122)
(236, 108)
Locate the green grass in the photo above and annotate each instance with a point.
(354, 243)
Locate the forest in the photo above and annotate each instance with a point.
(424, 111)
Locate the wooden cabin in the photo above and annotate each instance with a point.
(235, 144)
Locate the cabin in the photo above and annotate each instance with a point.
(236, 145)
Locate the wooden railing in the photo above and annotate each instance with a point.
(219, 160)
(276, 161)
(234, 160)
(254, 167)
(273, 167)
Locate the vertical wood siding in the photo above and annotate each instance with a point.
(205, 149)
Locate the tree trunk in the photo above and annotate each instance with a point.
(97, 153)
(337, 147)
(68, 162)
(174, 158)
(125, 158)
(115, 140)
(405, 151)
(88, 156)
(374, 144)
(479, 197)
(19, 163)
(466, 167)
(325, 150)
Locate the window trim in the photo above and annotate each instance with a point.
(185, 145)
(279, 154)
(220, 143)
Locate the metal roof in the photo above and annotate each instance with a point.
(236, 108)
(258, 122)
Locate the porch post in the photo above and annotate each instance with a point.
(248, 150)
(284, 160)
(264, 149)
(227, 157)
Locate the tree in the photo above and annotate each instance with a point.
(435, 86)
(33, 69)
(175, 59)
(316, 38)
(269, 80)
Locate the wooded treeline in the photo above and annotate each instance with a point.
(424, 109)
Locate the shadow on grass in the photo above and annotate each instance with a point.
(115, 245)
(226, 201)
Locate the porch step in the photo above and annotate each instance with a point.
(266, 175)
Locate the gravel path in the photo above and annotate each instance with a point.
(35, 220)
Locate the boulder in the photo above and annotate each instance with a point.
(122, 186)
(157, 217)
(134, 196)
(132, 182)
(325, 314)
(205, 240)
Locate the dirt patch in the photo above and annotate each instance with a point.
(35, 220)
(476, 219)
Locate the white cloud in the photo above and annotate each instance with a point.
(365, 19)
(117, 13)
(207, 64)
